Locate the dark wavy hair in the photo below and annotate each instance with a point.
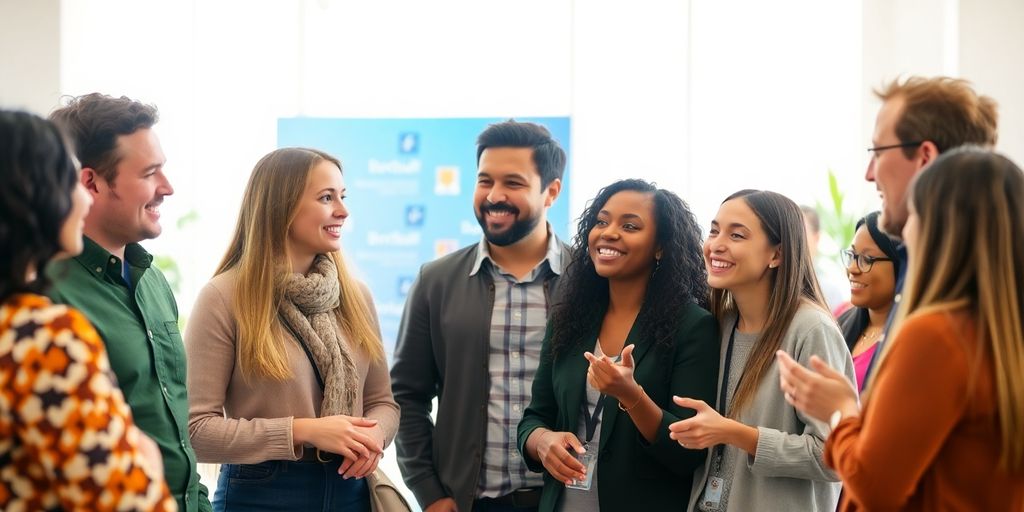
(679, 279)
(548, 156)
(38, 176)
(94, 121)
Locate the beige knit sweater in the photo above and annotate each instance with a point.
(235, 421)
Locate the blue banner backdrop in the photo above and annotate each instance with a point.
(410, 194)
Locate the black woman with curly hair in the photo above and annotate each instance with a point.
(630, 332)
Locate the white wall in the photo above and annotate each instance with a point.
(990, 54)
(979, 40)
(630, 95)
(29, 54)
(775, 90)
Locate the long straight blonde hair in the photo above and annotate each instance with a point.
(792, 284)
(968, 256)
(258, 252)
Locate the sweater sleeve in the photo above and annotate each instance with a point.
(210, 346)
(378, 402)
(64, 411)
(917, 399)
(800, 454)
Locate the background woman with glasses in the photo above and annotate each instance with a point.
(872, 267)
(941, 424)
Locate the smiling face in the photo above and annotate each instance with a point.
(890, 169)
(738, 253)
(320, 214)
(874, 289)
(127, 209)
(509, 201)
(623, 242)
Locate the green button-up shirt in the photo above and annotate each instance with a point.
(139, 325)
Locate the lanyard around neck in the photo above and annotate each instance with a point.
(724, 392)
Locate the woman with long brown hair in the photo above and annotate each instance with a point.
(288, 382)
(764, 454)
(943, 417)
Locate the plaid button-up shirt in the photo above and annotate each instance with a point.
(518, 320)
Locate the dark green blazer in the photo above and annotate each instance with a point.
(632, 474)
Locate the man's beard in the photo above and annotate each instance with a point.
(514, 233)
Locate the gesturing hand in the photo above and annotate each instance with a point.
(555, 450)
(816, 393)
(611, 378)
(706, 429)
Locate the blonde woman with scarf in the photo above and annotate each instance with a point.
(288, 382)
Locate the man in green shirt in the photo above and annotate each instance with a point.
(114, 283)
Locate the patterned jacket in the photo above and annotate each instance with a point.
(67, 439)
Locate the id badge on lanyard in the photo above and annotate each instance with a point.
(588, 459)
(712, 497)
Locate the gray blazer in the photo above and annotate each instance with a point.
(442, 351)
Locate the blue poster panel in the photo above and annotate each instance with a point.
(410, 194)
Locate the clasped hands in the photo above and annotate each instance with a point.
(359, 440)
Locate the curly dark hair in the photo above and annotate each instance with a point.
(38, 176)
(679, 279)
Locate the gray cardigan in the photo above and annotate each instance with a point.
(788, 472)
(442, 351)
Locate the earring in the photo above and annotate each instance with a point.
(657, 265)
(771, 265)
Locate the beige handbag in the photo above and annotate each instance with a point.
(384, 496)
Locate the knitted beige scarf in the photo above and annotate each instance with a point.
(309, 310)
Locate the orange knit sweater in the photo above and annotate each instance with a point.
(929, 436)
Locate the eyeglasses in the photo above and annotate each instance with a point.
(864, 262)
(878, 149)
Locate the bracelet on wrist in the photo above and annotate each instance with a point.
(638, 399)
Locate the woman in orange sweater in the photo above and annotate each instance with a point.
(67, 438)
(943, 419)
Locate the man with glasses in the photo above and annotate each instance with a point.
(919, 119)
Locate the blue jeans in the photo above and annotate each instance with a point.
(286, 485)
